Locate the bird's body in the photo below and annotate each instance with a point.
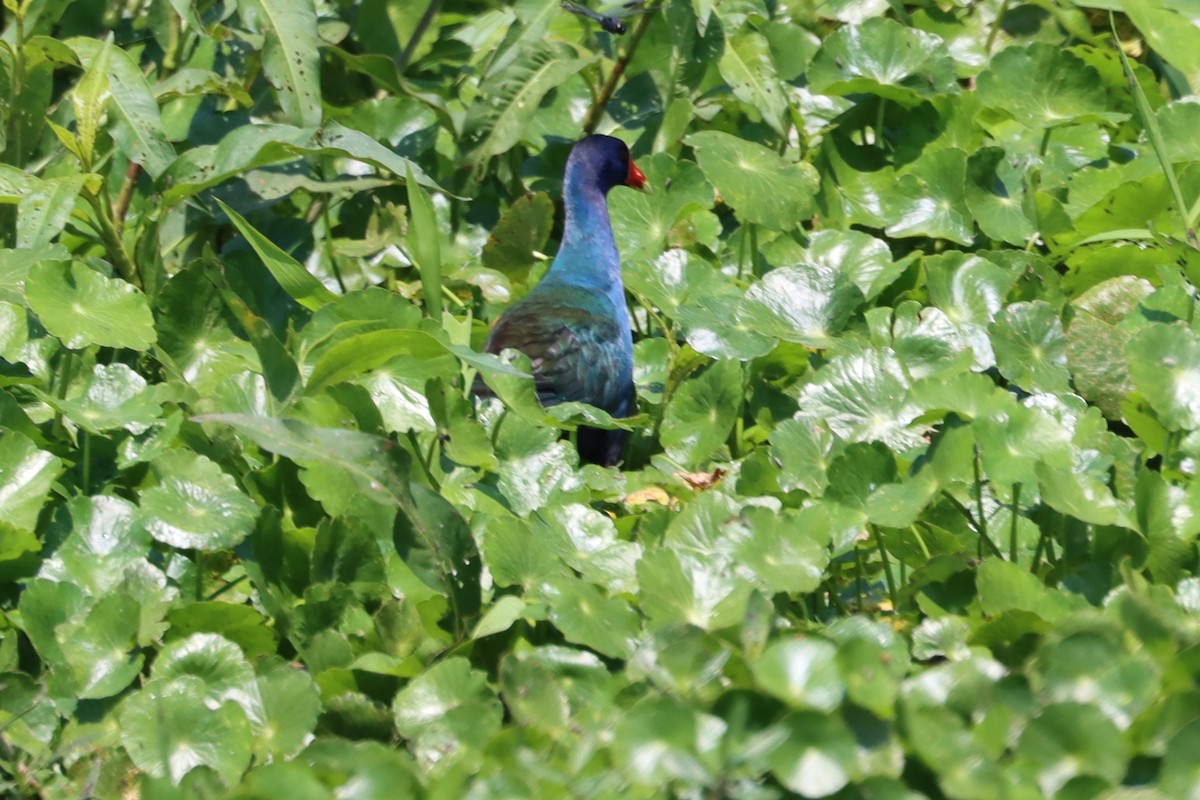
(574, 325)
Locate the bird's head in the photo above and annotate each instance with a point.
(604, 162)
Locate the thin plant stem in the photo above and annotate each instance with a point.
(1012, 533)
(859, 578)
(85, 478)
(421, 459)
(753, 249)
(981, 519)
(879, 112)
(125, 195)
(995, 31)
(887, 567)
(422, 25)
(112, 240)
(606, 92)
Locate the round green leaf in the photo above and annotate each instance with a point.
(520, 554)
(521, 231)
(26, 474)
(1096, 345)
(168, 730)
(760, 186)
(1092, 666)
(803, 673)
(701, 413)
(807, 304)
(670, 280)
(865, 260)
(1030, 347)
(585, 616)
(100, 537)
(1069, 739)
(817, 757)
(1164, 362)
(196, 505)
(710, 329)
(101, 649)
(656, 741)
(802, 448)
(884, 58)
(241, 624)
(643, 224)
(1043, 85)
(1180, 769)
(375, 770)
(682, 589)
(995, 194)
(930, 199)
(220, 664)
(82, 307)
(448, 714)
(291, 704)
(14, 331)
(113, 396)
(787, 552)
(863, 398)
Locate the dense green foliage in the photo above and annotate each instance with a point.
(910, 507)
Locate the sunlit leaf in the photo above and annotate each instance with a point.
(196, 505)
(82, 307)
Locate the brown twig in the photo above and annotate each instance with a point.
(597, 110)
(121, 206)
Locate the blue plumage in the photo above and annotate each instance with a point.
(574, 325)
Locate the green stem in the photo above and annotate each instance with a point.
(887, 567)
(753, 249)
(85, 479)
(422, 25)
(745, 242)
(995, 31)
(1012, 533)
(879, 112)
(982, 520)
(966, 512)
(421, 459)
(859, 577)
(112, 241)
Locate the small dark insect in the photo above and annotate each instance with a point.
(610, 21)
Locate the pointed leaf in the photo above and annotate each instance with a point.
(291, 56)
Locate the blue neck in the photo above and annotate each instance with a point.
(588, 255)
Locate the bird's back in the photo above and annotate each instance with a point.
(579, 346)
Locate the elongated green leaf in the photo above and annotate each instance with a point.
(89, 100)
(1171, 30)
(424, 241)
(252, 146)
(430, 535)
(362, 353)
(501, 116)
(291, 58)
(1150, 120)
(139, 129)
(45, 209)
(747, 66)
(298, 282)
